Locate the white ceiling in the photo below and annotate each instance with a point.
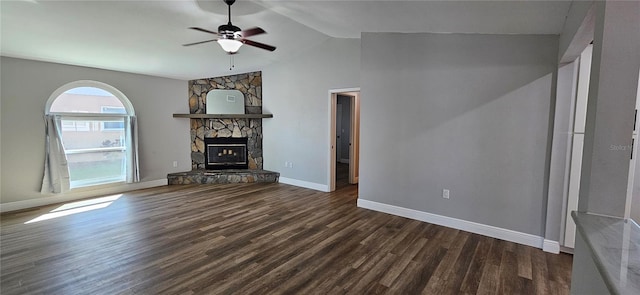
(146, 37)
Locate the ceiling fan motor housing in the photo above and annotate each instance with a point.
(228, 30)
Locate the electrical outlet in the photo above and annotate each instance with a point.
(175, 164)
(290, 164)
(445, 193)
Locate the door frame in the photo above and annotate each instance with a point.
(339, 110)
(354, 137)
(331, 146)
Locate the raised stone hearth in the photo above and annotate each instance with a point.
(202, 176)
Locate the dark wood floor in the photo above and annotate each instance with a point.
(342, 176)
(259, 239)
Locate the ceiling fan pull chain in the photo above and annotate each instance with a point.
(232, 63)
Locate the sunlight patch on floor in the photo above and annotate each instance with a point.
(77, 207)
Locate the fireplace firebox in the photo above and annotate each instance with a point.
(226, 153)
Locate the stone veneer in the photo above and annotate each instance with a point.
(222, 176)
(250, 84)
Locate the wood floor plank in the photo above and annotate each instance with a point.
(490, 280)
(399, 266)
(456, 275)
(473, 275)
(539, 272)
(509, 283)
(439, 283)
(258, 239)
(524, 261)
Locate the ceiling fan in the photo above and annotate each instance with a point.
(231, 37)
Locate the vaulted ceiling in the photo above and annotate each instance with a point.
(146, 37)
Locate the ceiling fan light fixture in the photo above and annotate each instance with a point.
(229, 45)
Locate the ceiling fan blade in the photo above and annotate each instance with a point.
(203, 30)
(252, 32)
(196, 43)
(259, 45)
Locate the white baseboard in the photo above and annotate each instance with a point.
(477, 228)
(79, 194)
(551, 246)
(566, 250)
(305, 184)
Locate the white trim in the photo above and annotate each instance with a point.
(71, 116)
(95, 150)
(551, 246)
(477, 228)
(344, 90)
(569, 142)
(305, 184)
(79, 194)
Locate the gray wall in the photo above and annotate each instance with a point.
(26, 86)
(345, 133)
(469, 113)
(296, 92)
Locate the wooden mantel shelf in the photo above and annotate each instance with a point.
(223, 116)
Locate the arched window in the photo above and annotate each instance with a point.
(91, 137)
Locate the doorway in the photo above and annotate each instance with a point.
(344, 138)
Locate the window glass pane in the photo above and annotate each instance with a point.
(89, 91)
(113, 110)
(113, 125)
(96, 167)
(75, 126)
(86, 100)
(95, 155)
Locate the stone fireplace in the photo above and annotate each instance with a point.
(250, 84)
(234, 141)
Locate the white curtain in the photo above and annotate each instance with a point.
(133, 168)
(56, 169)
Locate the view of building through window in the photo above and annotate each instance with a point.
(94, 141)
